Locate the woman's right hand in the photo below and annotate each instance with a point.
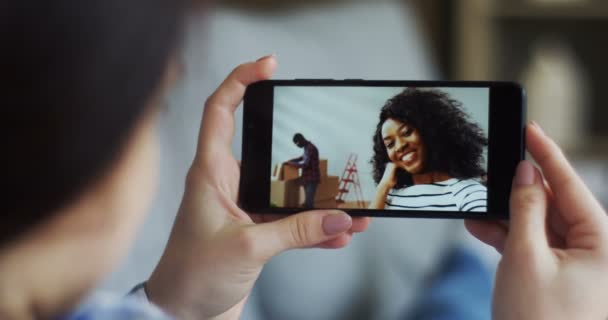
(389, 178)
(216, 250)
(388, 181)
(555, 249)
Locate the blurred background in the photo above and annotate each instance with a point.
(552, 48)
(400, 268)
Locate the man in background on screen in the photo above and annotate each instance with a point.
(309, 163)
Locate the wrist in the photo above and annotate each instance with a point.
(384, 187)
(233, 314)
(166, 292)
(171, 291)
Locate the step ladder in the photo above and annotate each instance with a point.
(350, 178)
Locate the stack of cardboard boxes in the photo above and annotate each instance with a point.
(284, 186)
(327, 190)
(287, 191)
(354, 205)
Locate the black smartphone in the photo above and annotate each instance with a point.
(432, 149)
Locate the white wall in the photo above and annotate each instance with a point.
(342, 120)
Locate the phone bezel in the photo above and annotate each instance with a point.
(505, 150)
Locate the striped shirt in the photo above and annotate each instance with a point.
(450, 195)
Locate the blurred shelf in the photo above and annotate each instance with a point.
(496, 40)
(596, 149)
(585, 10)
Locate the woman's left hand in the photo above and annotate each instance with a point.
(216, 251)
(555, 246)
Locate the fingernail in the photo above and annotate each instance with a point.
(524, 175)
(267, 57)
(537, 126)
(336, 223)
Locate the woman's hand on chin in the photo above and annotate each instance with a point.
(216, 251)
(389, 179)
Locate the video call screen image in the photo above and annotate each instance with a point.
(384, 148)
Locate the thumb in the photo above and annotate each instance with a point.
(528, 208)
(301, 230)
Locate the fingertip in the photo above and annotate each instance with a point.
(338, 212)
(360, 224)
(534, 132)
(336, 222)
(541, 147)
(528, 205)
(266, 57)
(536, 127)
(267, 66)
(534, 137)
(525, 174)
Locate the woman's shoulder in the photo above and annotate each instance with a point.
(451, 185)
(462, 188)
(460, 185)
(470, 195)
(433, 189)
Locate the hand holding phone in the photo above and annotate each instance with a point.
(555, 247)
(216, 250)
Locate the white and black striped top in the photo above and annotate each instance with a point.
(450, 195)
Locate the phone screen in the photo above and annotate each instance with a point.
(391, 148)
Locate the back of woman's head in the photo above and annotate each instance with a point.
(77, 75)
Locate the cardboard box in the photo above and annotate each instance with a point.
(285, 193)
(290, 193)
(290, 172)
(275, 172)
(327, 204)
(323, 168)
(285, 172)
(286, 190)
(353, 205)
(326, 190)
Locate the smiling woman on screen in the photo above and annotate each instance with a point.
(428, 155)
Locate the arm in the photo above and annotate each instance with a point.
(379, 201)
(294, 162)
(304, 161)
(298, 159)
(389, 180)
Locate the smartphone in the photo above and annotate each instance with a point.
(432, 149)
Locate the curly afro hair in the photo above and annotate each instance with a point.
(455, 144)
